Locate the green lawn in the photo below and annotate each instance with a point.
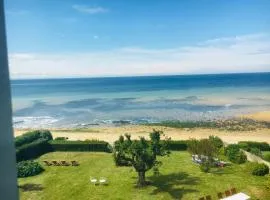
(179, 179)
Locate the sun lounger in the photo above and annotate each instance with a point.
(47, 163)
(74, 163)
(233, 191)
(227, 193)
(55, 163)
(64, 163)
(220, 195)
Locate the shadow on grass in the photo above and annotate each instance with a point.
(174, 184)
(219, 171)
(31, 187)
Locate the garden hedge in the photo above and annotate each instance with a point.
(33, 149)
(62, 145)
(234, 154)
(247, 145)
(177, 145)
(29, 137)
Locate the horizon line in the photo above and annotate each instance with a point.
(136, 75)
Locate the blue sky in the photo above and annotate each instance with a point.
(136, 37)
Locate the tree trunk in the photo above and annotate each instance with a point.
(141, 179)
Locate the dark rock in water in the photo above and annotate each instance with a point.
(121, 122)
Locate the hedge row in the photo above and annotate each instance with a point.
(177, 145)
(29, 137)
(247, 145)
(62, 145)
(33, 149)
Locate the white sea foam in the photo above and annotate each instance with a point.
(33, 122)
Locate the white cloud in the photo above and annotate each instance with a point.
(248, 53)
(89, 9)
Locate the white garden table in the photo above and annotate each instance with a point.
(102, 181)
(94, 181)
(238, 196)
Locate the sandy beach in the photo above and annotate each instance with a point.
(110, 134)
(260, 116)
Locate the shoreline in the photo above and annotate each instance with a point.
(110, 134)
(229, 132)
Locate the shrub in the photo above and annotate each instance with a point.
(262, 146)
(205, 167)
(256, 152)
(46, 134)
(267, 157)
(28, 168)
(63, 145)
(61, 138)
(218, 143)
(32, 136)
(240, 157)
(234, 154)
(180, 145)
(33, 150)
(260, 169)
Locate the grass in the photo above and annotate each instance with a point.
(179, 179)
(88, 130)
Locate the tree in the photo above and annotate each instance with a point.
(141, 154)
(206, 149)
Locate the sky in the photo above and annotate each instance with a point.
(93, 38)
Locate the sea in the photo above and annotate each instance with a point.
(115, 101)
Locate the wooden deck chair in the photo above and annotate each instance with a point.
(47, 163)
(227, 193)
(74, 163)
(55, 163)
(220, 195)
(233, 191)
(64, 163)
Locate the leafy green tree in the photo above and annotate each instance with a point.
(216, 141)
(141, 154)
(206, 150)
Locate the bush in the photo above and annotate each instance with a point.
(61, 138)
(260, 169)
(262, 146)
(32, 136)
(63, 145)
(240, 157)
(205, 167)
(218, 143)
(28, 168)
(256, 152)
(180, 145)
(267, 157)
(234, 154)
(33, 150)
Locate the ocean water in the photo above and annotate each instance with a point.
(87, 102)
